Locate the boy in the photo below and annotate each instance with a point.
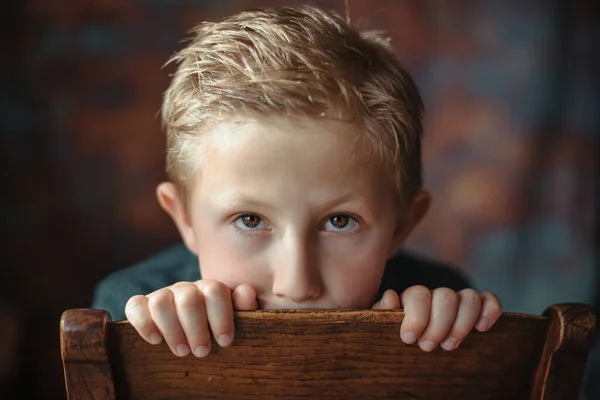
(294, 158)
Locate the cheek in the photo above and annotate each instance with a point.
(226, 258)
(358, 290)
(354, 274)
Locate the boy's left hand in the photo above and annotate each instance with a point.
(441, 316)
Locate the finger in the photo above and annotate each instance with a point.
(244, 298)
(469, 307)
(219, 310)
(191, 313)
(444, 307)
(164, 314)
(416, 301)
(491, 309)
(138, 314)
(389, 301)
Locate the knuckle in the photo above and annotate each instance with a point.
(180, 284)
(419, 293)
(137, 314)
(470, 296)
(214, 289)
(494, 300)
(494, 308)
(186, 297)
(160, 300)
(135, 303)
(446, 296)
(490, 296)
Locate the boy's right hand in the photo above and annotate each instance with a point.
(182, 313)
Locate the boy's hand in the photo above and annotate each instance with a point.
(182, 313)
(441, 316)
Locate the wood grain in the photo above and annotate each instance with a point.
(83, 343)
(334, 355)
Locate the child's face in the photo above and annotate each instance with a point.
(292, 208)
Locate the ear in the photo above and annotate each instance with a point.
(170, 200)
(419, 207)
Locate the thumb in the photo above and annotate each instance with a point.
(389, 301)
(244, 298)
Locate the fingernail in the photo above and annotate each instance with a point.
(182, 350)
(427, 345)
(483, 324)
(224, 340)
(155, 338)
(408, 337)
(201, 351)
(448, 344)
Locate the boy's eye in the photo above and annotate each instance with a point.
(340, 223)
(250, 222)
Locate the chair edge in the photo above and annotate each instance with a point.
(86, 365)
(568, 342)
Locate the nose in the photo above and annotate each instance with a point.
(296, 274)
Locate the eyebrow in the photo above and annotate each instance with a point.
(230, 202)
(233, 200)
(348, 199)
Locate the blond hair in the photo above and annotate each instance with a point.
(298, 61)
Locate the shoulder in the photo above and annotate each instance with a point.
(163, 269)
(408, 269)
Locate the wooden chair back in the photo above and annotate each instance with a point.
(331, 354)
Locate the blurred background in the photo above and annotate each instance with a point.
(511, 92)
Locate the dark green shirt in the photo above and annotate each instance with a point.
(178, 264)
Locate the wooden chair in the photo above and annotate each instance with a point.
(331, 354)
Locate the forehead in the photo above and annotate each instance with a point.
(274, 125)
(303, 155)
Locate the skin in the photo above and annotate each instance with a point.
(290, 214)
